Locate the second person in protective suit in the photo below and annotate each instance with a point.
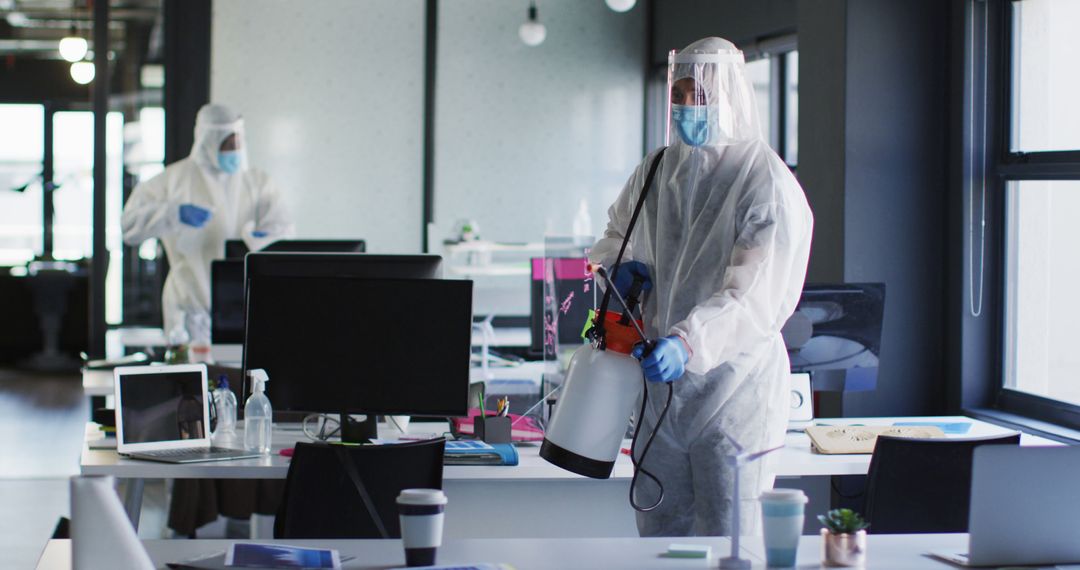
(199, 202)
(724, 239)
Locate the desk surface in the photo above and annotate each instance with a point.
(905, 552)
(117, 340)
(107, 462)
(795, 460)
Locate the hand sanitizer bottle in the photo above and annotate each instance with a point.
(258, 415)
(225, 402)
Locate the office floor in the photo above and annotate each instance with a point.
(42, 420)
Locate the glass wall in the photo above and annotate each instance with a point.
(21, 159)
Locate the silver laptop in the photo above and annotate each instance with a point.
(1025, 507)
(163, 414)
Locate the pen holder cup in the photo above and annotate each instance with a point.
(492, 429)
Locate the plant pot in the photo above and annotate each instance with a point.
(843, 550)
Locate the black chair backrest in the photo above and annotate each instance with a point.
(922, 485)
(322, 500)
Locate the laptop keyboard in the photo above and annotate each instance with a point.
(189, 451)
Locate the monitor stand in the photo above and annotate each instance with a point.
(359, 431)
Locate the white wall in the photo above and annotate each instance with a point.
(522, 133)
(332, 92)
(333, 95)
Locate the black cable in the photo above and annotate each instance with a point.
(638, 469)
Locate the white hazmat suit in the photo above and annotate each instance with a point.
(725, 233)
(243, 205)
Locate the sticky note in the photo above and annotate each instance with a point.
(689, 551)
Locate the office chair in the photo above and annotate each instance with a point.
(922, 485)
(338, 491)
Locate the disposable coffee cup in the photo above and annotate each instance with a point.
(421, 514)
(782, 513)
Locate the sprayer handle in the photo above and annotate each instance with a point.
(646, 349)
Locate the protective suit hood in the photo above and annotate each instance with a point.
(213, 124)
(723, 97)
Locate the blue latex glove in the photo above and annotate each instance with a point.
(193, 215)
(625, 277)
(259, 234)
(666, 363)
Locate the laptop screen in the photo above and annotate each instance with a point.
(160, 407)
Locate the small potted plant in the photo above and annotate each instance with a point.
(843, 540)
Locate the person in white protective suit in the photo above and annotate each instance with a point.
(199, 202)
(724, 238)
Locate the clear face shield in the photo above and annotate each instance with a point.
(710, 101)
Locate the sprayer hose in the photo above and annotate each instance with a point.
(638, 469)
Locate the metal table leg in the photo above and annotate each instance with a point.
(133, 495)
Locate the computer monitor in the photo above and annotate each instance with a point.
(369, 265)
(227, 301)
(237, 249)
(318, 245)
(361, 344)
(263, 267)
(571, 288)
(835, 334)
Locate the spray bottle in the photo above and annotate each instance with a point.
(258, 415)
(225, 404)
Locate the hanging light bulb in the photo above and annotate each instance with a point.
(82, 72)
(532, 32)
(620, 5)
(73, 48)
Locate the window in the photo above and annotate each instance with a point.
(1045, 85)
(20, 183)
(1043, 272)
(775, 77)
(1039, 171)
(73, 156)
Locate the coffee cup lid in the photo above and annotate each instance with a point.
(422, 497)
(784, 495)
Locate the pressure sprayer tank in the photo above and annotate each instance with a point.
(601, 390)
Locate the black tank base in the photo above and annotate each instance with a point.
(575, 463)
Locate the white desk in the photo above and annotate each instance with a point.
(523, 554)
(884, 552)
(552, 502)
(117, 341)
(888, 552)
(549, 502)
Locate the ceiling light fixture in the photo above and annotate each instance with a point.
(18, 19)
(532, 32)
(73, 48)
(82, 72)
(620, 5)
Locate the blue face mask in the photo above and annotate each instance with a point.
(692, 123)
(229, 161)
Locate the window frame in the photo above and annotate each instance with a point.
(1005, 166)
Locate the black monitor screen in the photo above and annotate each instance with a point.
(161, 407)
(380, 346)
(227, 301)
(837, 327)
(318, 245)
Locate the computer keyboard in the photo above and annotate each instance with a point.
(186, 451)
